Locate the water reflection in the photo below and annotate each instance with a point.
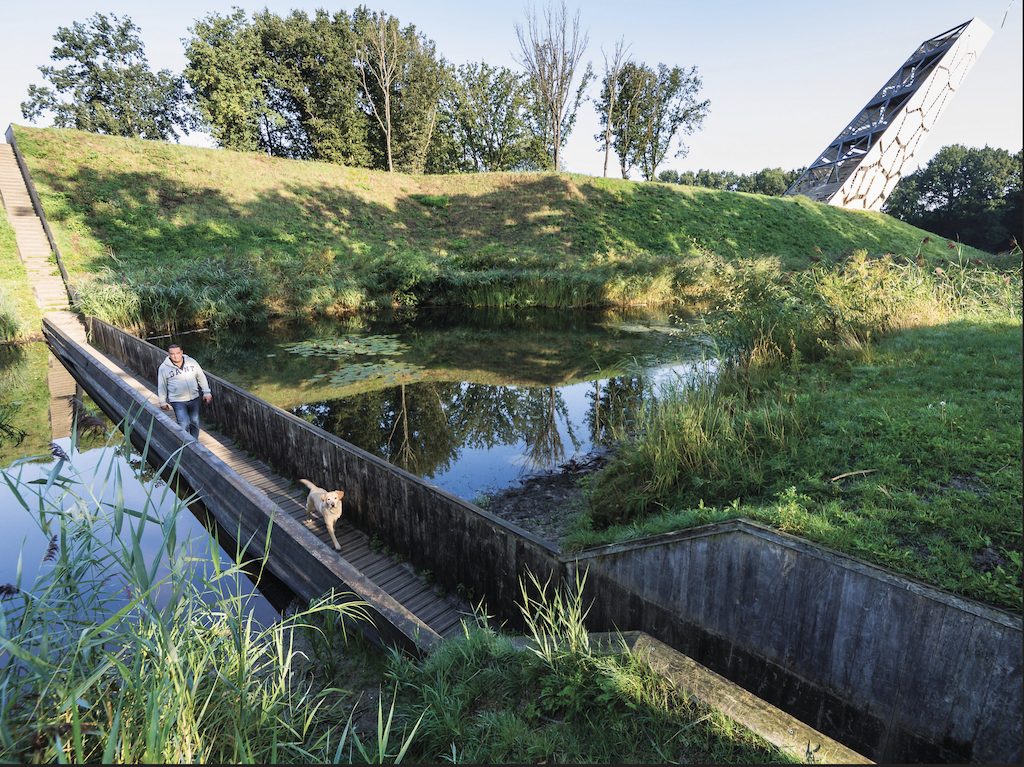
(471, 438)
(43, 405)
(497, 394)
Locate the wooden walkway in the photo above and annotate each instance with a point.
(443, 614)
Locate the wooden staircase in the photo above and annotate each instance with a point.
(33, 246)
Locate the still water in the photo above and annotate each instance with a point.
(31, 417)
(470, 400)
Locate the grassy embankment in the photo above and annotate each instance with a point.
(170, 234)
(117, 656)
(876, 410)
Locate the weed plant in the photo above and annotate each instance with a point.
(114, 655)
(484, 699)
(874, 408)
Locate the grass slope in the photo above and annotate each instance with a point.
(207, 234)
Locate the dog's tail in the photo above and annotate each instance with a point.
(308, 484)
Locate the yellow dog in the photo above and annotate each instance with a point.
(328, 504)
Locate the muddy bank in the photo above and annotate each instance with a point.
(548, 504)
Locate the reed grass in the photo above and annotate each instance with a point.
(485, 699)
(829, 416)
(114, 655)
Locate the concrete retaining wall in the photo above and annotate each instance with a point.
(432, 528)
(297, 556)
(897, 670)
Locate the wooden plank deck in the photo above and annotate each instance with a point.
(443, 614)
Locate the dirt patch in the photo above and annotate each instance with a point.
(967, 482)
(988, 560)
(548, 504)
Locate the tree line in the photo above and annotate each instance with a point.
(770, 181)
(361, 89)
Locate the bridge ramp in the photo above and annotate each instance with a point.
(443, 613)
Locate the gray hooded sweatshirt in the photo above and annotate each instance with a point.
(182, 384)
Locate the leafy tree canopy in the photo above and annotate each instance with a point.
(652, 107)
(110, 86)
(485, 119)
(973, 195)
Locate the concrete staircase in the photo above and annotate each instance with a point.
(33, 247)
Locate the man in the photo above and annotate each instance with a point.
(179, 379)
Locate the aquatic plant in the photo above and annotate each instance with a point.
(349, 347)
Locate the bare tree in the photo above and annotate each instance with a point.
(611, 79)
(551, 50)
(378, 52)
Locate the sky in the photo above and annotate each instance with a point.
(783, 77)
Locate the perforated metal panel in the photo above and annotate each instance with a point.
(862, 166)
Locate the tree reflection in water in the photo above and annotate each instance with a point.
(500, 393)
(427, 428)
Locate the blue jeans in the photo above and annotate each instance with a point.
(187, 415)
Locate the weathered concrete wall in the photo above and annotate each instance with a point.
(432, 528)
(895, 669)
(296, 556)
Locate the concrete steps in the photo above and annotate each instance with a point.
(33, 246)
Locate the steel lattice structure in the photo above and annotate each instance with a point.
(862, 166)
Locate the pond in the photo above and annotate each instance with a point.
(471, 400)
(93, 461)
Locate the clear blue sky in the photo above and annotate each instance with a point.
(783, 77)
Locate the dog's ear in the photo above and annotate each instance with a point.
(341, 493)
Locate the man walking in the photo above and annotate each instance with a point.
(179, 380)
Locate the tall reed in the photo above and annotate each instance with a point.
(718, 438)
(118, 655)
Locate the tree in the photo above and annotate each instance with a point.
(551, 50)
(654, 106)
(485, 115)
(111, 87)
(619, 107)
(609, 96)
(973, 195)
(226, 82)
(770, 181)
(286, 86)
(401, 80)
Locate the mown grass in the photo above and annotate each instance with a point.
(875, 409)
(179, 236)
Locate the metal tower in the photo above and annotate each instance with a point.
(862, 166)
